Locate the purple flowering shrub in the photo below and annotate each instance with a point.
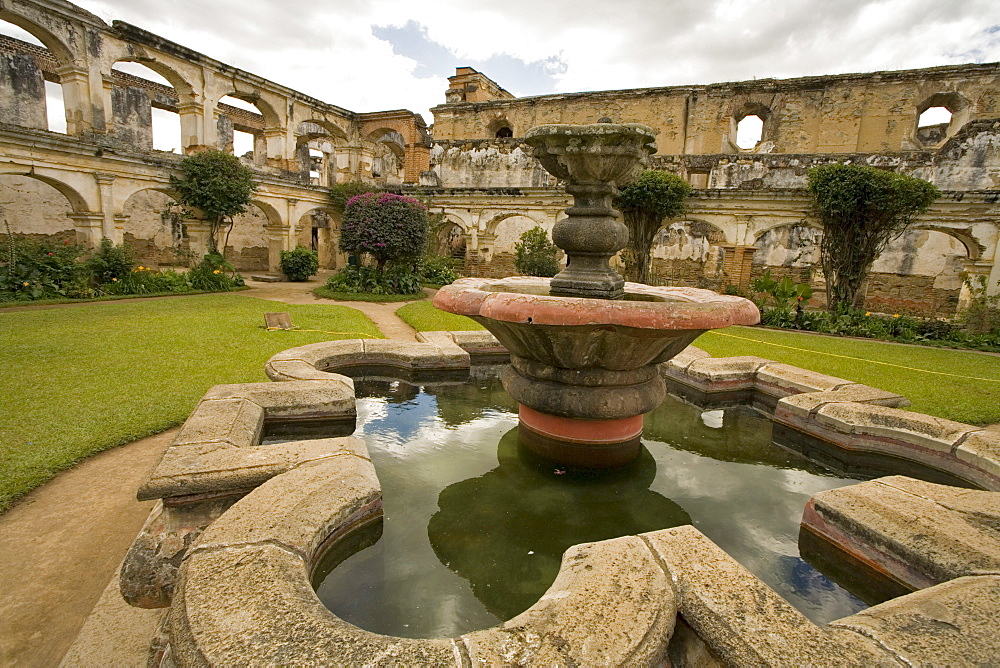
(387, 228)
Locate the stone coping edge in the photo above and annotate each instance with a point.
(244, 595)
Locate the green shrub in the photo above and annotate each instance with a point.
(437, 270)
(110, 262)
(143, 281)
(213, 273)
(394, 280)
(535, 255)
(299, 264)
(41, 270)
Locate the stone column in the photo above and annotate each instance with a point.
(88, 228)
(105, 185)
(292, 239)
(994, 279)
(81, 115)
(192, 139)
(275, 244)
(198, 231)
(974, 270)
(274, 141)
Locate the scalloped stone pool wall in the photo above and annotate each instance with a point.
(242, 580)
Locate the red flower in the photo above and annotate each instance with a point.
(50, 253)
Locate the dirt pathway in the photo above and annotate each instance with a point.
(61, 544)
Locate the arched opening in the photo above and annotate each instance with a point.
(31, 94)
(450, 240)
(504, 133)
(320, 148)
(34, 209)
(247, 241)
(318, 231)
(240, 123)
(920, 273)
(507, 230)
(749, 131)
(685, 253)
(144, 108)
(749, 125)
(388, 151)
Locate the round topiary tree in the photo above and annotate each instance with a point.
(644, 204)
(862, 210)
(388, 228)
(299, 264)
(219, 185)
(535, 255)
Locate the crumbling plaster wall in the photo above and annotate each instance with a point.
(34, 209)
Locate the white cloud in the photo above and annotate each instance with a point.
(325, 48)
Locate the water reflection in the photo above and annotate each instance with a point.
(505, 531)
(475, 527)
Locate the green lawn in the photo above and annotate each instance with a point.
(83, 378)
(423, 317)
(938, 381)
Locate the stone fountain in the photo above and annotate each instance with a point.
(585, 345)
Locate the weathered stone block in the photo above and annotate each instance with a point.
(982, 450)
(952, 624)
(254, 605)
(295, 399)
(611, 605)
(782, 380)
(291, 370)
(917, 532)
(896, 425)
(212, 468)
(234, 422)
(722, 374)
(804, 405)
(682, 360)
(741, 619)
(301, 508)
(414, 355)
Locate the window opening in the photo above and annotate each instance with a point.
(504, 132)
(166, 122)
(55, 108)
(242, 143)
(934, 116)
(749, 131)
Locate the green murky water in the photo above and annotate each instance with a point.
(474, 528)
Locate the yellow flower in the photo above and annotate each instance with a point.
(25, 284)
(114, 280)
(216, 272)
(141, 267)
(868, 312)
(895, 315)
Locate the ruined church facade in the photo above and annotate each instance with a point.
(749, 211)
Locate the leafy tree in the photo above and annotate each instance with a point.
(644, 204)
(387, 228)
(218, 184)
(341, 193)
(535, 255)
(862, 210)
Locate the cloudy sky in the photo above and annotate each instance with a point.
(369, 55)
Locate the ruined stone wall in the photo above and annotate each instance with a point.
(874, 112)
(487, 163)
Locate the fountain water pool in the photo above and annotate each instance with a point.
(475, 525)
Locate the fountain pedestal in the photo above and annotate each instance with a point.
(585, 344)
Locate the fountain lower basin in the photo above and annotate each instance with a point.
(584, 370)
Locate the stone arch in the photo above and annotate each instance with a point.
(39, 207)
(327, 138)
(77, 201)
(182, 88)
(266, 109)
(919, 273)
(973, 247)
(247, 244)
(323, 128)
(500, 128)
(450, 237)
(319, 230)
(686, 252)
(56, 46)
(388, 148)
(494, 222)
